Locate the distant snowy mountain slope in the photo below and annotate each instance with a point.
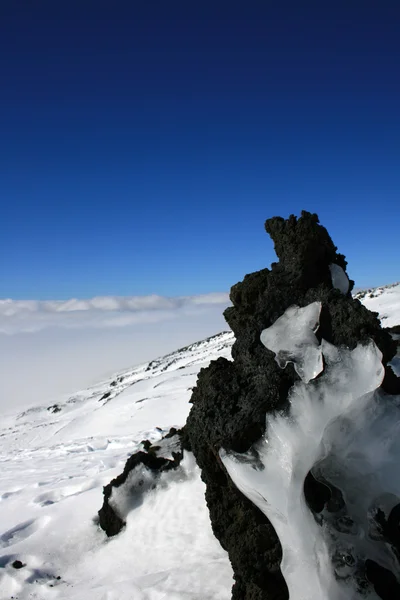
(384, 300)
(55, 460)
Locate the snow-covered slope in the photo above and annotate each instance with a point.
(384, 300)
(54, 463)
(55, 460)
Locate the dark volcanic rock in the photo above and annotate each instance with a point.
(148, 465)
(383, 580)
(394, 330)
(231, 399)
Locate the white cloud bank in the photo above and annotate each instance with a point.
(52, 348)
(18, 316)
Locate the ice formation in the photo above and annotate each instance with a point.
(144, 471)
(342, 429)
(142, 480)
(292, 338)
(340, 280)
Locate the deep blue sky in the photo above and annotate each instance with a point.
(144, 143)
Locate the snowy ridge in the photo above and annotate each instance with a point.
(34, 426)
(384, 300)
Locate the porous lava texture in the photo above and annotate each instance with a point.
(231, 399)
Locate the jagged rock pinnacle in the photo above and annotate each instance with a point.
(231, 399)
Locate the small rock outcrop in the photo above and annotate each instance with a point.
(141, 473)
(231, 399)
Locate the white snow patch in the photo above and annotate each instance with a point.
(53, 469)
(385, 301)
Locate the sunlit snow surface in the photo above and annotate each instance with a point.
(53, 467)
(339, 426)
(384, 300)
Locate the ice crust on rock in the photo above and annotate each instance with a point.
(340, 280)
(142, 480)
(168, 446)
(144, 471)
(123, 500)
(342, 429)
(292, 338)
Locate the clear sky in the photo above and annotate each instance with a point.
(144, 143)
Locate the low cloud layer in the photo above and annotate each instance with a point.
(49, 349)
(29, 316)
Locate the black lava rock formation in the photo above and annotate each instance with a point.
(148, 461)
(231, 399)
